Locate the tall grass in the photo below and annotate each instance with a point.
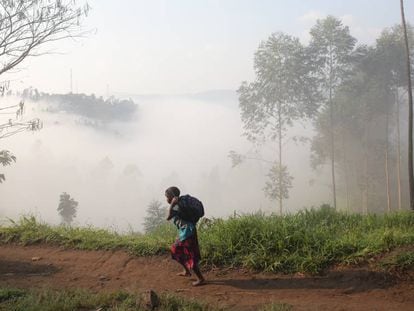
(308, 241)
(28, 230)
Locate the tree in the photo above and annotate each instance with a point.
(281, 93)
(273, 189)
(156, 215)
(330, 51)
(25, 26)
(390, 50)
(67, 208)
(410, 109)
(366, 125)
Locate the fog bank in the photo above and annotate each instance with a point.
(114, 172)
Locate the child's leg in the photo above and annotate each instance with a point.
(186, 272)
(200, 278)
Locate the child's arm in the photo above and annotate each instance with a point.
(170, 213)
(170, 210)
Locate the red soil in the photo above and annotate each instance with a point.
(342, 289)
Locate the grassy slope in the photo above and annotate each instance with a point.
(309, 241)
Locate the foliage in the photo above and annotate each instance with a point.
(354, 95)
(309, 241)
(365, 124)
(402, 261)
(330, 56)
(330, 51)
(279, 183)
(67, 208)
(6, 158)
(281, 93)
(156, 216)
(89, 106)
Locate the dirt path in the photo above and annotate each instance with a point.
(354, 289)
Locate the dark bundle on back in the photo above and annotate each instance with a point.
(190, 208)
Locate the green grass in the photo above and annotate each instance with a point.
(71, 300)
(82, 300)
(308, 241)
(28, 231)
(402, 261)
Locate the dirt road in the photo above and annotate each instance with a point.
(350, 289)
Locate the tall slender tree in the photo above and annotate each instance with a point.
(281, 93)
(330, 50)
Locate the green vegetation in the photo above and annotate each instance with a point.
(29, 230)
(89, 106)
(308, 241)
(70, 300)
(67, 208)
(156, 215)
(402, 261)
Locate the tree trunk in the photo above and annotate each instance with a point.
(366, 184)
(365, 176)
(410, 111)
(397, 103)
(346, 174)
(332, 142)
(387, 174)
(280, 161)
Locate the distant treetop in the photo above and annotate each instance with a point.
(90, 106)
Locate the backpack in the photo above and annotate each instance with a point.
(190, 208)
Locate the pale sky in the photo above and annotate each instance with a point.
(187, 46)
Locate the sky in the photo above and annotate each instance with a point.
(187, 46)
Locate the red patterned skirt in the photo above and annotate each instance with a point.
(186, 252)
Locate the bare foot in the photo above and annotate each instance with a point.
(199, 282)
(184, 273)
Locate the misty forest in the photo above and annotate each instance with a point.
(314, 144)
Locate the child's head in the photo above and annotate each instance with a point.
(172, 192)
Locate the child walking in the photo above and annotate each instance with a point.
(185, 249)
